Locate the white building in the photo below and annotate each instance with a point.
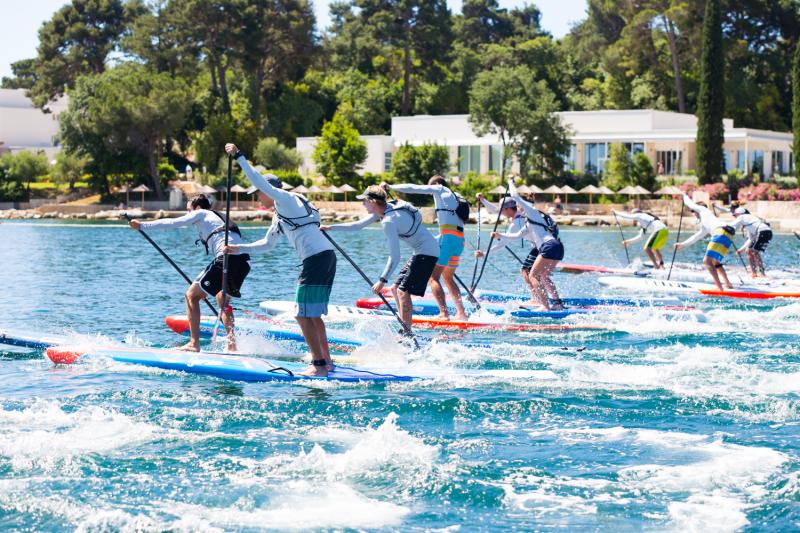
(25, 127)
(667, 138)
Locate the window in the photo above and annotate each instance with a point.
(596, 154)
(387, 161)
(740, 160)
(634, 148)
(571, 158)
(495, 156)
(469, 159)
(757, 162)
(779, 163)
(668, 162)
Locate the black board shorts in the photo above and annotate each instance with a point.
(762, 240)
(314, 285)
(528, 263)
(414, 276)
(210, 279)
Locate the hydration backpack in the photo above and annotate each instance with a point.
(231, 225)
(461, 210)
(412, 211)
(311, 216)
(549, 224)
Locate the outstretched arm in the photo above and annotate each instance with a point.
(410, 188)
(266, 244)
(171, 223)
(354, 226)
(393, 241)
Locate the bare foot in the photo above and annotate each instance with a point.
(462, 318)
(442, 317)
(189, 347)
(231, 347)
(317, 371)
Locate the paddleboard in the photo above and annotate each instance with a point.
(279, 331)
(693, 287)
(26, 340)
(501, 297)
(243, 368)
(346, 313)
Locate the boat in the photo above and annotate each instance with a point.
(252, 369)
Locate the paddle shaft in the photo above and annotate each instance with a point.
(349, 259)
(491, 237)
(627, 255)
(170, 261)
(677, 240)
(224, 303)
(470, 295)
(475, 266)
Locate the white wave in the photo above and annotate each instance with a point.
(47, 437)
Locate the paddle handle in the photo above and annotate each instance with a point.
(491, 237)
(677, 240)
(224, 291)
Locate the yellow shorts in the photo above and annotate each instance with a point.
(657, 240)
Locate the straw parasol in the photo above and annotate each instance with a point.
(524, 189)
(205, 189)
(300, 189)
(630, 190)
(237, 189)
(670, 190)
(534, 189)
(314, 189)
(498, 190)
(605, 190)
(567, 190)
(590, 190)
(346, 188)
(142, 189)
(553, 189)
(642, 190)
(286, 186)
(127, 190)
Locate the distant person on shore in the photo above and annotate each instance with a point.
(211, 229)
(721, 240)
(451, 240)
(297, 220)
(400, 222)
(517, 221)
(648, 222)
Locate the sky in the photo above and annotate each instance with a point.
(21, 20)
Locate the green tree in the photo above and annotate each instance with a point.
(128, 110)
(76, 40)
(24, 75)
(416, 164)
(796, 109)
(642, 172)
(275, 156)
(619, 168)
(69, 168)
(340, 151)
(711, 100)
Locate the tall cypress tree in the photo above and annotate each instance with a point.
(711, 99)
(796, 109)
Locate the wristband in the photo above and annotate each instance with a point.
(238, 154)
(383, 280)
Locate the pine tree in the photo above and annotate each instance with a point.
(796, 109)
(711, 100)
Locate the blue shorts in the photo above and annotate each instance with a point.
(552, 249)
(451, 246)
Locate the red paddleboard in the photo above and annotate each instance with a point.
(580, 269)
(759, 295)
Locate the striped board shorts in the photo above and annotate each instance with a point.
(721, 241)
(314, 285)
(451, 246)
(657, 240)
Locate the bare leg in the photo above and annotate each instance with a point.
(660, 259)
(228, 321)
(547, 282)
(193, 297)
(448, 274)
(404, 308)
(539, 293)
(525, 273)
(313, 329)
(438, 292)
(759, 263)
(652, 256)
(711, 266)
(724, 276)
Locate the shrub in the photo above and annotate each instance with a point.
(275, 156)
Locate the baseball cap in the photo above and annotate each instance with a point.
(740, 211)
(373, 192)
(636, 210)
(509, 203)
(274, 180)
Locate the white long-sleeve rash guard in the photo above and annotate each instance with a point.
(206, 222)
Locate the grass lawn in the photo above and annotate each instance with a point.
(62, 187)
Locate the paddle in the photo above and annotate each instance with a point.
(491, 237)
(470, 295)
(475, 266)
(224, 305)
(627, 255)
(406, 327)
(169, 260)
(677, 240)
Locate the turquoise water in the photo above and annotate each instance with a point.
(662, 425)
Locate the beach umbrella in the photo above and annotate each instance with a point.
(332, 189)
(253, 190)
(534, 189)
(630, 190)
(524, 189)
(642, 190)
(670, 190)
(142, 189)
(498, 190)
(286, 186)
(237, 189)
(567, 190)
(314, 189)
(590, 190)
(553, 189)
(127, 190)
(346, 189)
(205, 189)
(605, 190)
(301, 189)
